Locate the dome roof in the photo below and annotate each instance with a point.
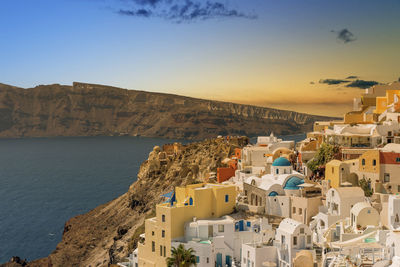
(293, 183)
(281, 162)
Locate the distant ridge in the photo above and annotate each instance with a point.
(91, 109)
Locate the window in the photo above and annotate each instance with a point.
(301, 230)
(386, 177)
(164, 252)
(245, 192)
(283, 239)
(160, 250)
(397, 159)
(248, 224)
(398, 188)
(152, 232)
(248, 254)
(226, 198)
(308, 239)
(153, 246)
(295, 240)
(300, 211)
(333, 170)
(368, 211)
(163, 218)
(208, 260)
(294, 210)
(221, 228)
(277, 171)
(163, 233)
(363, 162)
(374, 162)
(333, 193)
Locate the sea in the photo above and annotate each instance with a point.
(46, 181)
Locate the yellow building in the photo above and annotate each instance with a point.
(383, 102)
(199, 201)
(341, 172)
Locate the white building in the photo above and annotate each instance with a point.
(393, 244)
(339, 202)
(218, 242)
(257, 159)
(292, 237)
(272, 142)
(257, 254)
(394, 212)
(362, 215)
(132, 260)
(272, 191)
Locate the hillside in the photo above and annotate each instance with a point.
(90, 110)
(103, 236)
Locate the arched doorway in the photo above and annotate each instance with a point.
(353, 179)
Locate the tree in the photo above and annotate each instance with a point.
(181, 257)
(325, 153)
(366, 186)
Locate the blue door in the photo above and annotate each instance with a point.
(241, 225)
(219, 260)
(228, 260)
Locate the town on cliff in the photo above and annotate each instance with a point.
(331, 199)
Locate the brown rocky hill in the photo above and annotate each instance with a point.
(108, 233)
(88, 110)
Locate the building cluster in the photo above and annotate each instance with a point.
(268, 208)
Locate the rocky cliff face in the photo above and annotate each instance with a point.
(88, 110)
(104, 235)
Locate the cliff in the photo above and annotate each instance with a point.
(90, 110)
(108, 233)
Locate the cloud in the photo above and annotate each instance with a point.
(138, 13)
(147, 2)
(351, 77)
(345, 36)
(362, 84)
(332, 81)
(179, 11)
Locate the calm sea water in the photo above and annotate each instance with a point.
(46, 181)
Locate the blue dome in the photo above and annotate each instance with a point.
(281, 162)
(272, 194)
(293, 183)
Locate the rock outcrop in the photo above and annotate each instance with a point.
(90, 110)
(106, 234)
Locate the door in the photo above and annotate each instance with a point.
(241, 225)
(219, 260)
(228, 261)
(302, 241)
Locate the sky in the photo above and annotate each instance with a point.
(288, 54)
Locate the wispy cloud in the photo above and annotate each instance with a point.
(345, 36)
(332, 81)
(362, 84)
(179, 11)
(350, 81)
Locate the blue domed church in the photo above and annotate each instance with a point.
(273, 190)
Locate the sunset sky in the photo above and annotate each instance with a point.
(262, 52)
